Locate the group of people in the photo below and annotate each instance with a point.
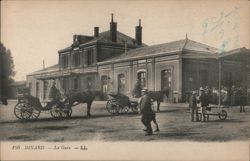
(206, 96)
(204, 99)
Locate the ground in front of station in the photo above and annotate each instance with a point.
(174, 121)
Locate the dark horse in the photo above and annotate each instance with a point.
(3, 100)
(158, 96)
(83, 97)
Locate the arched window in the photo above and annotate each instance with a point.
(141, 76)
(104, 83)
(121, 83)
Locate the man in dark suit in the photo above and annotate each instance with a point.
(193, 106)
(146, 111)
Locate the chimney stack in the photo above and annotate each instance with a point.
(75, 38)
(96, 31)
(113, 29)
(138, 34)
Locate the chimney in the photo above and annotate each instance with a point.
(113, 29)
(138, 34)
(96, 31)
(75, 38)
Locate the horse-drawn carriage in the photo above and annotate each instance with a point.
(119, 103)
(30, 107)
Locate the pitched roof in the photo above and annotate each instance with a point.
(165, 48)
(104, 37)
(45, 70)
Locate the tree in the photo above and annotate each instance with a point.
(6, 70)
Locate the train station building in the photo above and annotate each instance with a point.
(113, 62)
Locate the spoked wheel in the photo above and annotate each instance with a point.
(133, 107)
(56, 112)
(123, 109)
(35, 114)
(23, 111)
(112, 106)
(66, 113)
(223, 115)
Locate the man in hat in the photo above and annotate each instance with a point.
(146, 111)
(54, 95)
(193, 106)
(204, 103)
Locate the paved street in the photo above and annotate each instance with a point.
(174, 122)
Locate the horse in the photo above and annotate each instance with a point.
(3, 100)
(83, 97)
(158, 97)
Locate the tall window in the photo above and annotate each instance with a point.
(37, 89)
(166, 79)
(64, 61)
(76, 58)
(45, 89)
(121, 83)
(89, 83)
(104, 83)
(141, 76)
(90, 56)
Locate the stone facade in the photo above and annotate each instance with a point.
(112, 62)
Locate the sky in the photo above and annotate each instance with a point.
(35, 30)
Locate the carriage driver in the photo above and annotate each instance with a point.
(54, 95)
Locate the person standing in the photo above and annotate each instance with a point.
(242, 99)
(146, 112)
(193, 107)
(204, 103)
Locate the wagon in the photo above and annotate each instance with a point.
(213, 111)
(30, 107)
(119, 103)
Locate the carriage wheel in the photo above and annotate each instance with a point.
(133, 107)
(112, 106)
(123, 109)
(67, 113)
(223, 115)
(23, 111)
(55, 112)
(35, 114)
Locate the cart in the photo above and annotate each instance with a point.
(119, 103)
(30, 107)
(213, 111)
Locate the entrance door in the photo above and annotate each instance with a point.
(166, 82)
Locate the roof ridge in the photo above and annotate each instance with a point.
(203, 44)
